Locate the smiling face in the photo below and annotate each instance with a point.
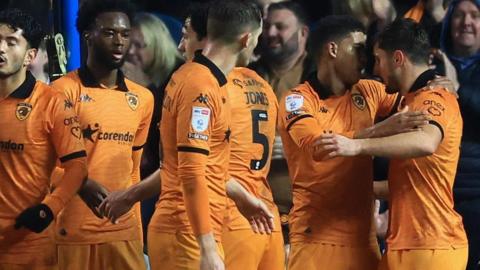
(139, 53)
(109, 40)
(465, 27)
(15, 53)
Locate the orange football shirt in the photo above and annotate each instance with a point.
(114, 123)
(195, 130)
(36, 132)
(421, 197)
(333, 199)
(254, 109)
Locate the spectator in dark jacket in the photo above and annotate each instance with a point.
(460, 40)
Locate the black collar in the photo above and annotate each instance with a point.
(423, 80)
(322, 91)
(26, 88)
(88, 80)
(201, 59)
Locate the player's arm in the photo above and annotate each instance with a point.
(251, 207)
(420, 143)
(380, 189)
(71, 152)
(118, 203)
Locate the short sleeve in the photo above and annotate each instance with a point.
(64, 128)
(436, 104)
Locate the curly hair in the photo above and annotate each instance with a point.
(90, 9)
(17, 19)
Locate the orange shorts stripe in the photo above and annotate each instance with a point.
(245, 249)
(180, 251)
(425, 259)
(125, 255)
(305, 256)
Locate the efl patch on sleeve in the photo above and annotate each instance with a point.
(293, 102)
(200, 118)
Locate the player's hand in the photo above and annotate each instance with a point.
(257, 214)
(210, 260)
(401, 122)
(277, 151)
(93, 193)
(115, 205)
(36, 218)
(331, 145)
(450, 81)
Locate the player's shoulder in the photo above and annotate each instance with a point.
(71, 78)
(138, 89)
(368, 85)
(304, 90)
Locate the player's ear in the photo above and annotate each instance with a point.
(399, 58)
(245, 40)
(332, 49)
(29, 56)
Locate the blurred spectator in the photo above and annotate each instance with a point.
(152, 57)
(264, 4)
(284, 63)
(39, 65)
(461, 43)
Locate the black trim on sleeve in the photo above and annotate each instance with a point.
(73, 155)
(435, 123)
(193, 150)
(296, 119)
(136, 148)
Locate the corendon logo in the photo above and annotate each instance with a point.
(95, 133)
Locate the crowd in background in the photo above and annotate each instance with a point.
(284, 60)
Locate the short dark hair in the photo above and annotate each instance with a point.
(229, 18)
(408, 36)
(333, 28)
(198, 14)
(294, 7)
(90, 9)
(17, 19)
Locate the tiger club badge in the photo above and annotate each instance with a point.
(132, 100)
(359, 101)
(23, 111)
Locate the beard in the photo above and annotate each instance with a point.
(9, 71)
(392, 86)
(286, 50)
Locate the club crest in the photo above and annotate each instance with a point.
(359, 101)
(132, 100)
(23, 111)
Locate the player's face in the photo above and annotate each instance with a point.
(246, 54)
(281, 35)
(384, 68)
(139, 53)
(351, 58)
(110, 39)
(15, 54)
(189, 42)
(465, 26)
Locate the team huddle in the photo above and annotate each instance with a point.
(68, 151)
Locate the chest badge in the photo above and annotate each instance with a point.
(132, 100)
(359, 101)
(23, 111)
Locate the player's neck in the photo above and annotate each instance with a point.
(410, 75)
(9, 84)
(222, 56)
(330, 80)
(103, 75)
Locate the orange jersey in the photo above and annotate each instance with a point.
(114, 123)
(421, 198)
(195, 130)
(35, 134)
(254, 109)
(332, 200)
